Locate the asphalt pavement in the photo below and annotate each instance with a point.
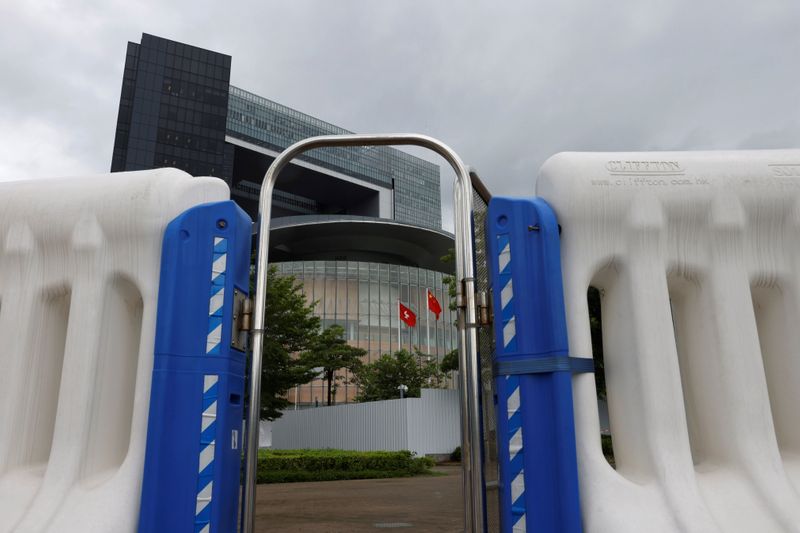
(424, 504)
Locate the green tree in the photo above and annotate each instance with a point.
(450, 361)
(380, 379)
(290, 327)
(449, 259)
(330, 352)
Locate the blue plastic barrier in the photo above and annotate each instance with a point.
(194, 441)
(536, 435)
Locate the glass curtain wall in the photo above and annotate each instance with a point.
(363, 298)
(415, 181)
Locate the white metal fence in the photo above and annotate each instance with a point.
(426, 425)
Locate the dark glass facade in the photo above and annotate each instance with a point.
(177, 107)
(173, 109)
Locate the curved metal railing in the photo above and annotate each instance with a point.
(468, 358)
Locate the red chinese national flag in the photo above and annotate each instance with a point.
(433, 304)
(407, 315)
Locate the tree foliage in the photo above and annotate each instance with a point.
(290, 327)
(450, 361)
(330, 352)
(380, 379)
(450, 281)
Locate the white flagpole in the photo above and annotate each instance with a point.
(399, 319)
(428, 317)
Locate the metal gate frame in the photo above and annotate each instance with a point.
(472, 464)
(480, 206)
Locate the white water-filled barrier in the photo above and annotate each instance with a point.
(122, 302)
(93, 321)
(697, 259)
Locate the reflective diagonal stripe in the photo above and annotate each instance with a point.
(505, 254)
(514, 436)
(216, 301)
(206, 456)
(220, 262)
(509, 332)
(203, 505)
(515, 444)
(220, 245)
(506, 294)
(209, 416)
(214, 337)
(516, 453)
(518, 486)
(205, 461)
(513, 402)
(509, 326)
(209, 382)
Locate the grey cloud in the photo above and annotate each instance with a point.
(506, 84)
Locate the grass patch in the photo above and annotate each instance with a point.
(286, 466)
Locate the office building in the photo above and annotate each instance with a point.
(360, 227)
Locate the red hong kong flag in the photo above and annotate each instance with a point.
(407, 315)
(433, 304)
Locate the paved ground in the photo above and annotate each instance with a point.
(426, 503)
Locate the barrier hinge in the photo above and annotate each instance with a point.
(242, 319)
(484, 308)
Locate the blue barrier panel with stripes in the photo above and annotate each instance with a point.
(535, 426)
(192, 464)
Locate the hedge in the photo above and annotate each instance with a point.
(281, 466)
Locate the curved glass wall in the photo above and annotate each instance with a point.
(362, 298)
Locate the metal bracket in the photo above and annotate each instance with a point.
(241, 322)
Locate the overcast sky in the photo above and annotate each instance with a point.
(505, 83)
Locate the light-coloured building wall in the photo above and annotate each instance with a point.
(426, 425)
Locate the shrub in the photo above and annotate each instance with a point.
(280, 466)
(456, 455)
